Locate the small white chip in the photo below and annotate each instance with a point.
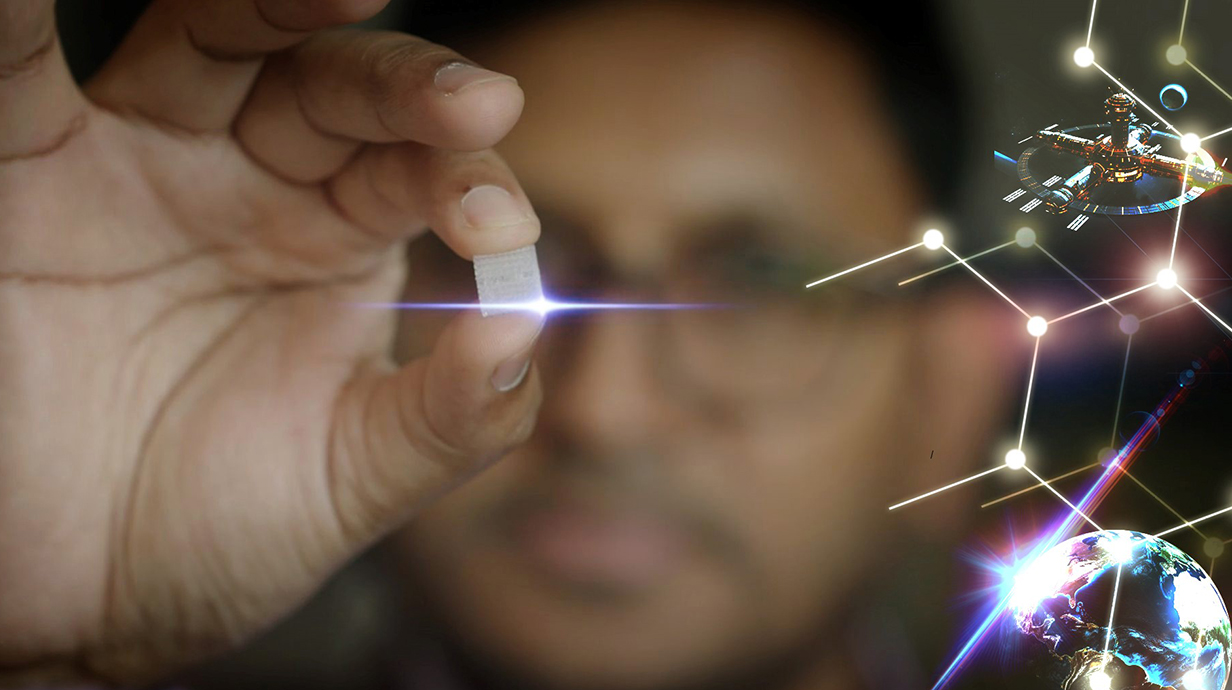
(508, 281)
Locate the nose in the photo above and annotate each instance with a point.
(606, 395)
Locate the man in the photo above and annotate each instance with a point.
(198, 427)
(702, 504)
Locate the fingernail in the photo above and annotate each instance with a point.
(510, 373)
(489, 206)
(454, 77)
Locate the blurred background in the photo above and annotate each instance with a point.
(957, 80)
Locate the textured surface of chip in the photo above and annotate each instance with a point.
(508, 281)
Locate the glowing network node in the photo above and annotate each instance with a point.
(1084, 57)
(1172, 97)
(1177, 54)
(1106, 456)
(933, 239)
(1037, 326)
(1191, 143)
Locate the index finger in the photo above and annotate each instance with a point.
(390, 87)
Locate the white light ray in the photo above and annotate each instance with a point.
(1134, 96)
(1176, 234)
(1073, 275)
(1026, 406)
(947, 487)
(866, 264)
(1216, 134)
(979, 275)
(1065, 500)
(1209, 80)
(1191, 523)
(1116, 419)
(956, 263)
(1116, 593)
(1206, 309)
(1091, 24)
(1102, 301)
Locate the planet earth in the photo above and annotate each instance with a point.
(1071, 625)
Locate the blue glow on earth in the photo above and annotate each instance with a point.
(1173, 97)
(1169, 628)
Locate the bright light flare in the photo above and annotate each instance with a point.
(1037, 326)
(1166, 279)
(1121, 549)
(1193, 680)
(933, 239)
(1100, 681)
(1015, 459)
(1191, 143)
(542, 306)
(1084, 57)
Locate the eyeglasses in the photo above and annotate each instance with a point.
(755, 336)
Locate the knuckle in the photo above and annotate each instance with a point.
(399, 60)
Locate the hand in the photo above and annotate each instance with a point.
(197, 425)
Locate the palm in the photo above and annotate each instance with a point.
(200, 425)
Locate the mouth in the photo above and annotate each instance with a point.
(580, 544)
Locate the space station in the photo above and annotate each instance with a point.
(1124, 166)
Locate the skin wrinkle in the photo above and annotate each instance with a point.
(114, 279)
(331, 471)
(216, 54)
(75, 126)
(32, 61)
(122, 530)
(385, 67)
(242, 291)
(444, 448)
(254, 239)
(297, 88)
(331, 199)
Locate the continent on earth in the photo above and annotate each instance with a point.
(1116, 606)
(1087, 662)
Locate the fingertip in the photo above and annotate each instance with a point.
(492, 220)
(478, 115)
(486, 342)
(479, 386)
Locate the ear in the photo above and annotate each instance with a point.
(973, 356)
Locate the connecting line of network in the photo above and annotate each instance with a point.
(1036, 326)
(1016, 460)
(1051, 562)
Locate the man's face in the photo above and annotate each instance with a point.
(704, 486)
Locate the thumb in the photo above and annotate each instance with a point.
(402, 438)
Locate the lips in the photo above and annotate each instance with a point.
(621, 549)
